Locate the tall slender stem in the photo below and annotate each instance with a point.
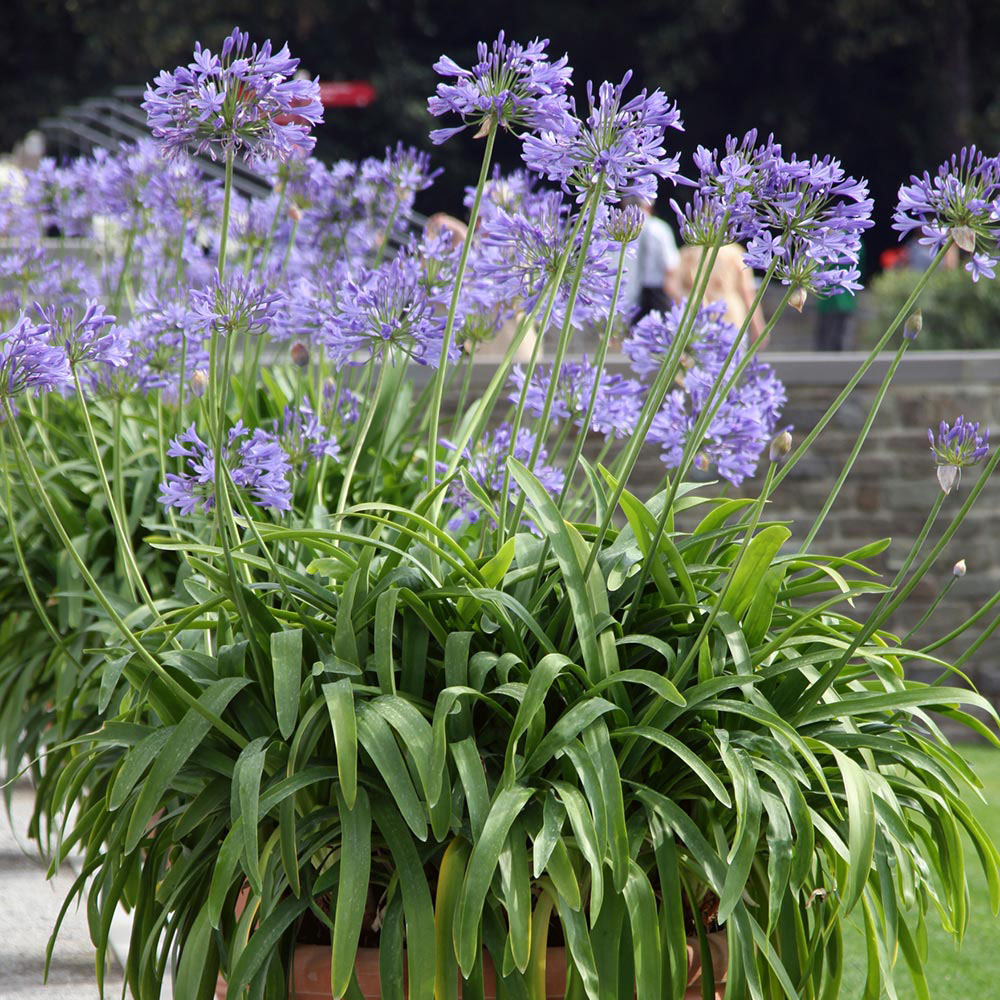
(446, 340)
(132, 573)
(856, 450)
(371, 404)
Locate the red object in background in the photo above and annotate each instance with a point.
(336, 94)
(346, 94)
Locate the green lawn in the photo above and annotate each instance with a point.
(972, 971)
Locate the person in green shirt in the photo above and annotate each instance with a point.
(835, 318)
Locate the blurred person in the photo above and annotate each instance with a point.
(730, 282)
(835, 318)
(651, 278)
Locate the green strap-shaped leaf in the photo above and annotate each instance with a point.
(376, 737)
(641, 906)
(418, 911)
(340, 704)
(183, 741)
(262, 944)
(492, 573)
(684, 753)
(553, 817)
(645, 678)
(860, 829)
(741, 855)
(246, 775)
(134, 765)
(286, 664)
(582, 952)
(449, 888)
(352, 888)
(582, 823)
(542, 677)
(385, 617)
(197, 958)
(516, 879)
(758, 617)
(756, 560)
(390, 949)
(569, 726)
(557, 531)
(560, 869)
(597, 742)
(473, 778)
(482, 865)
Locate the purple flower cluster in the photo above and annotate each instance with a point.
(304, 438)
(616, 408)
(242, 99)
(519, 256)
(512, 84)
(617, 149)
(91, 340)
(256, 462)
(485, 465)
(234, 305)
(387, 307)
(728, 188)
(28, 360)
(961, 201)
(955, 448)
(744, 423)
(803, 217)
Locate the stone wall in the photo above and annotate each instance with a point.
(893, 484)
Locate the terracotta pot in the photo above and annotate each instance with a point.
(310, 977)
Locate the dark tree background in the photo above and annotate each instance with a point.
(888, 86)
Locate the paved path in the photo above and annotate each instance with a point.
(29, 906)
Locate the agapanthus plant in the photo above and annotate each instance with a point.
(29, 360)
(513, 86)
(243, 99)
(255, 461)
(959, 202)
(617, 149)
(956, 447)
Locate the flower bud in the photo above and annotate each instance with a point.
(781, 445)
(701, 461)
(948, 477)
(199, 382)
(299, 354)
(797, 299)
(958, 569)
(964, 237)
(914, 324)
(295, 213)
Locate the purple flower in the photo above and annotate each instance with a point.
(91, 341)
(28, 360)
(810, 218)
(405, 171)
(235, 305)
(955, 448)
(485, 465)
(387, 306)
(513, 84)
(616, 408)
(728, 188)
(166, 344)
(243, 99)
(520, 254)
(256, 461)
(962, 201)
(304, 438)
(745, 421)
(619, 146)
